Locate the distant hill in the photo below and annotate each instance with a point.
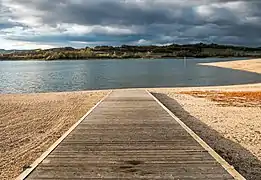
(3, 51)
(199, 50)
(60, 49)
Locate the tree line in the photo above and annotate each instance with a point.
(126, 51)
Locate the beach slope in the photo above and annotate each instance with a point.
(31, 123)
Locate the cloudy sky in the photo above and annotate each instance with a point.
(26, 24)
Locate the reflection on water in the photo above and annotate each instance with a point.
(46, 76)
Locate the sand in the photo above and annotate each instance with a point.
(31, 123)
(252, 65)
(231, 129)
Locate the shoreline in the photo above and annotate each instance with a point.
(240, 87)
(250, 65)
(159, 58)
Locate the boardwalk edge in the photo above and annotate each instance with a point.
(230, 169)
(28, 171)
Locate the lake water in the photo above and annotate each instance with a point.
(49, 76)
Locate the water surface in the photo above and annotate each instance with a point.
(72, 75)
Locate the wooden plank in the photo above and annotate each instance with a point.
(129, 136)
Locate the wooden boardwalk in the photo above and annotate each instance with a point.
(129, 136)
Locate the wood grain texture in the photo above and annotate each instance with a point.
(129, 136)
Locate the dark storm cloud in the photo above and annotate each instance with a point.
(106, 13)
(117, 12)
(156, 21)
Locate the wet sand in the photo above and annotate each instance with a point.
(31, 123)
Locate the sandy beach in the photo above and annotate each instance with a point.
(252, 65)
(31, 123)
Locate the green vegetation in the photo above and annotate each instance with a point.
(107, 52)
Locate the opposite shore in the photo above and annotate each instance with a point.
(199, 50)
(226, 117)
